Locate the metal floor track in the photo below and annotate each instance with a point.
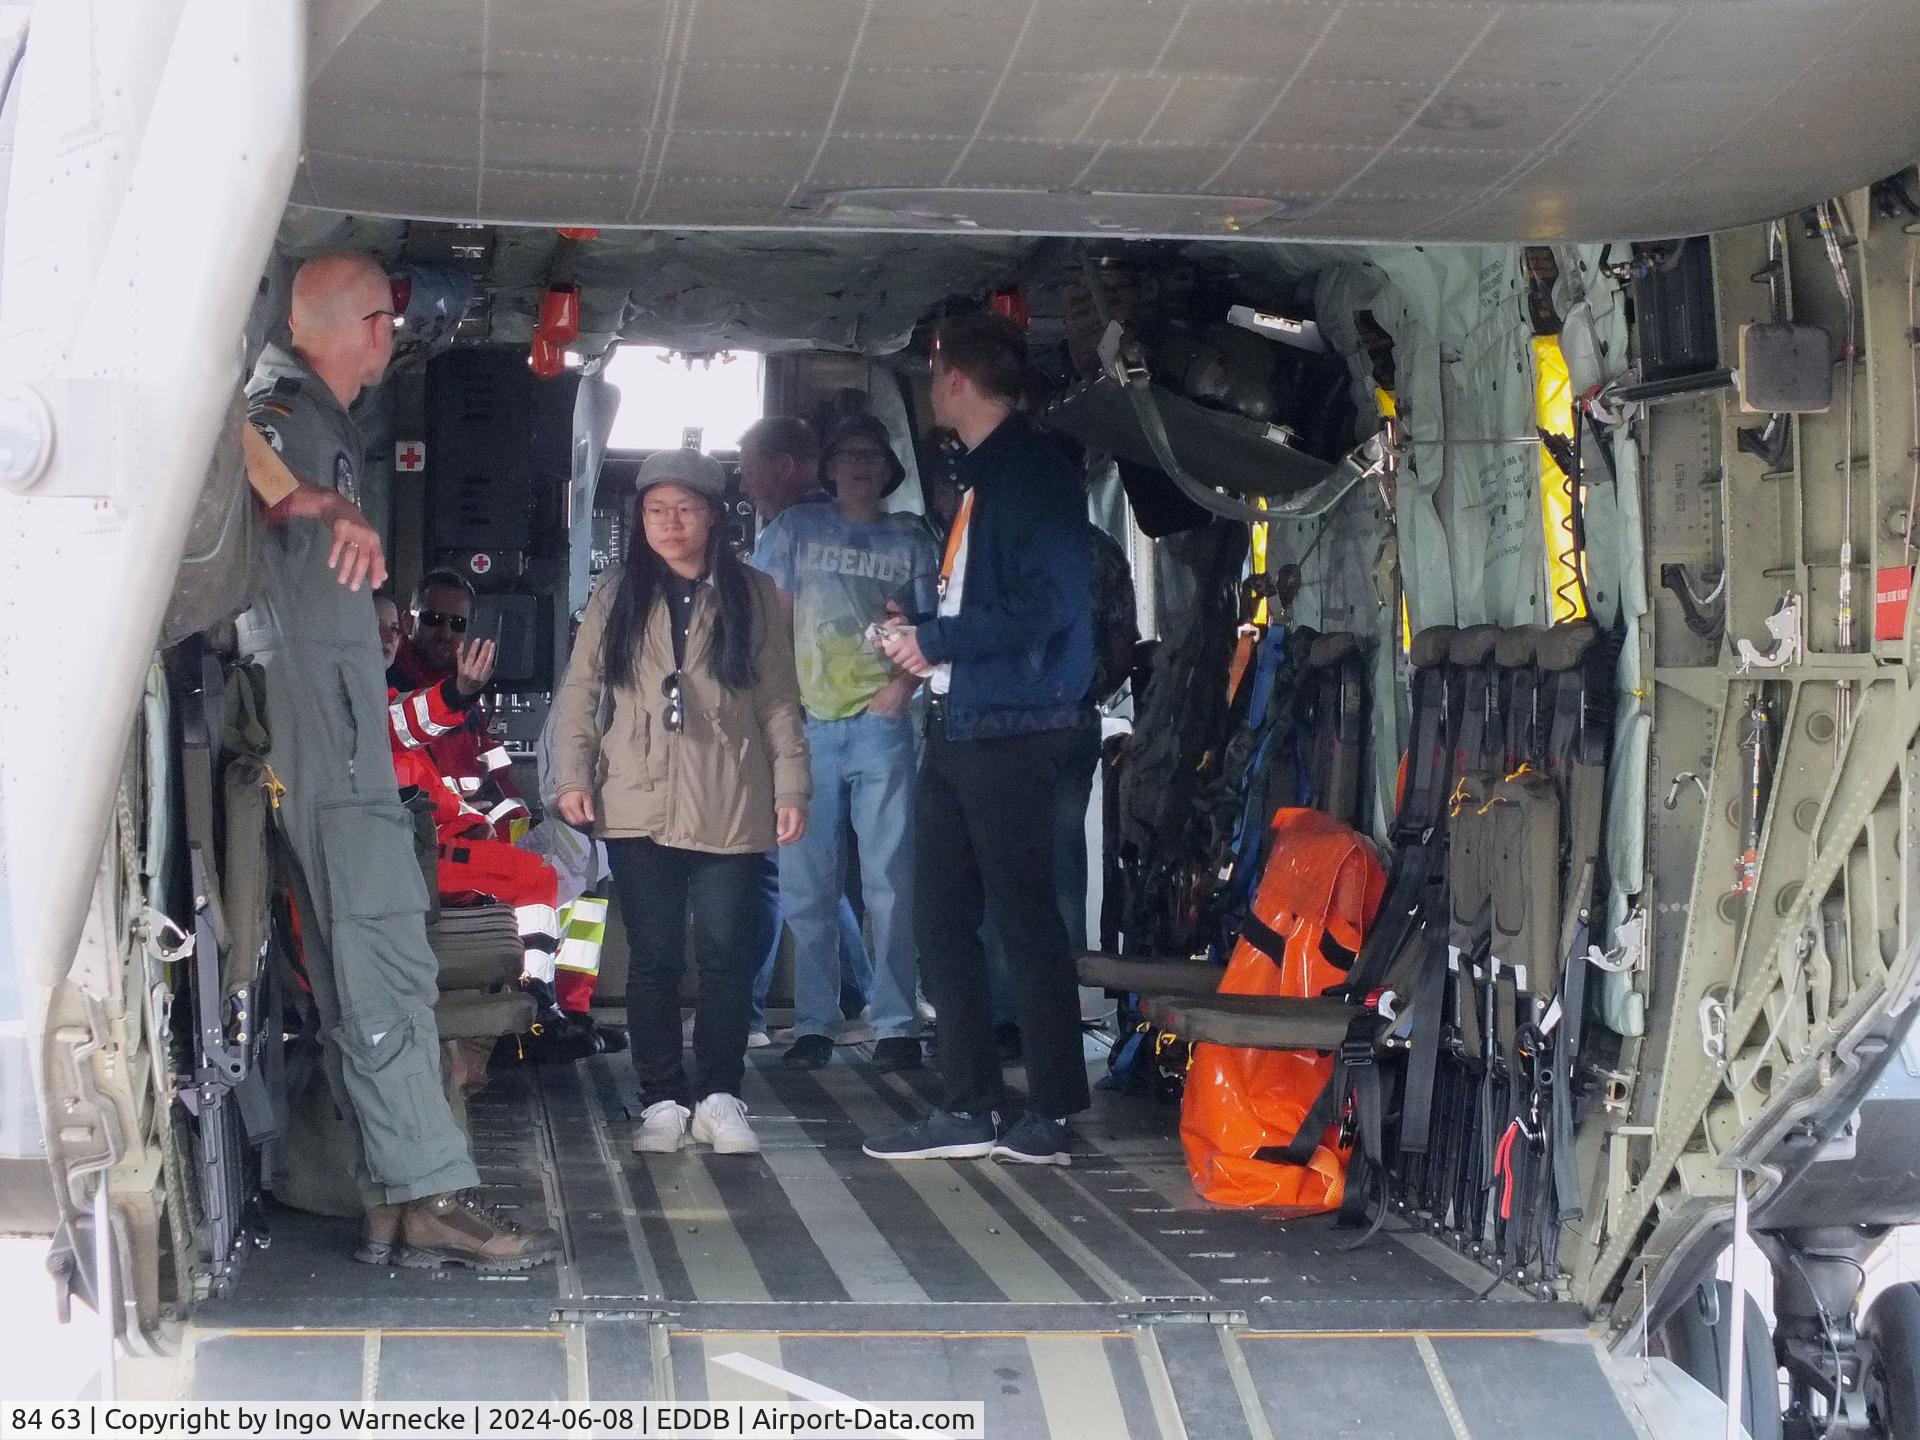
(1100, 1299)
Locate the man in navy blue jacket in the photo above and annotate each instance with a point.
(1009, 660)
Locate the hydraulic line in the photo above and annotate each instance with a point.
(1830, 235)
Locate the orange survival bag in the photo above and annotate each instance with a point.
(1319, 891)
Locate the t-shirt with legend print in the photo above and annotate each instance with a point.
(841, 576)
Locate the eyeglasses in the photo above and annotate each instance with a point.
(661, 514)
(675, 718)
(440, 620)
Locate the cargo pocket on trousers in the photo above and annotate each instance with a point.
(392, 1073)
(374, 911)
(372, 871)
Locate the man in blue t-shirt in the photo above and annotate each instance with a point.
(844, 567)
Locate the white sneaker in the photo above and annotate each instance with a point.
(758, 1040)
(720, 1120)
(663, 1129)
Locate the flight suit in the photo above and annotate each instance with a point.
(372, 971)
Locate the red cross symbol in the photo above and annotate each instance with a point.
(409, 455)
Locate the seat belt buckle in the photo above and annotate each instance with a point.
(1356, 1052)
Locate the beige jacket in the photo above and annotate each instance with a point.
(714, 786)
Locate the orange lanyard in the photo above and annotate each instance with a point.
(954, 538)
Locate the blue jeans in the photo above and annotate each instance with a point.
(863, 775)
(1071, 798)
(856, 969)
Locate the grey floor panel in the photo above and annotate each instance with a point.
(874, 1367)
(1068, 1385)
(277, 1367)
(1203, 1384)
(1336, 1388)
(530, 1367)
(1482, 1375)
(1131, 1390)
(619, 1360)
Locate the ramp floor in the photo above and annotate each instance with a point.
(1103, 1298)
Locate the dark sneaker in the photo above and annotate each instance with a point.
(943, 1135)
(1033, 1140)
(809, 1052)
(379, 1233)
(899, 1053)
(456, 1229)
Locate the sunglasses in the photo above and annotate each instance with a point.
(438, 620)
(675, 718)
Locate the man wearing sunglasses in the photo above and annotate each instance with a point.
(436, 628)
(372, 975)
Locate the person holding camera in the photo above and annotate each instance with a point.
(842, 567)
(1009, 660)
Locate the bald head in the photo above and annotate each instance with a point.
(342, 320)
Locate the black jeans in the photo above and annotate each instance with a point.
(985, 841)
(734, 901)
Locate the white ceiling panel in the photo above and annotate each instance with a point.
(1359, 119)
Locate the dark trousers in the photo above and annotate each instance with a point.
(734, 902)
(985, 842)
(1072, 795)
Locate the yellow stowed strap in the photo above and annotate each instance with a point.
(1554, 412)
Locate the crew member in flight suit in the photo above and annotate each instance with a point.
(365, 944)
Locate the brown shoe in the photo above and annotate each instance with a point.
(379, 1233)
(456, 1229)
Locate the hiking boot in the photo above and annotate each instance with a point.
(902, 1052)
(379, 1233)
(720, 1120)
(943, 1135)
(456, 1229)
(809, 1052)
(663, 1128)
(1033, 1140)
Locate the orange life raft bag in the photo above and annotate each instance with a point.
(1318, 893)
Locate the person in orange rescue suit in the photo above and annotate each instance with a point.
(433, 634)
(473, 861)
